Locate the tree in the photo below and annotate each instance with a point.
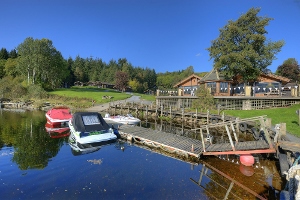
(290, 69)
(242, 47)
(2, 66)
(135, 85)
(3, 54)
(13, 54)
(10, 67)
(205, 99)
(41, 62)
(121, 80)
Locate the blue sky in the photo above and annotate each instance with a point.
(165, 35)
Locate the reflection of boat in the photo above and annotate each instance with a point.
(123, 119)
(78, 149)
(57, 132)
(90, 127)
(58, 116)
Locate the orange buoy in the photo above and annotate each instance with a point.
(247, 159)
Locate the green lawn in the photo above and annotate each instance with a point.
(278, 115)
(81, 97)
(96, 94)
(147, 97)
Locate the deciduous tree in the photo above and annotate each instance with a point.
(290, 69)
(242, 47)
(121, 80)
(41, 62)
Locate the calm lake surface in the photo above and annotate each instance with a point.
(35, 164)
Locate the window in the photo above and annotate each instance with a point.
(90, 120)
(224, 87)
(211, 85)
(263, 87)
(190, 90)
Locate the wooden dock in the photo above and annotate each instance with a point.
(166, 141)
(185, 146)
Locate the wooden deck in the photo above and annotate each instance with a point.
(167, 141)
(185, 146)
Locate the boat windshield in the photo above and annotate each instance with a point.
(90, 119)
(129, 115)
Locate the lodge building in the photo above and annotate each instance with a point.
(268, 90)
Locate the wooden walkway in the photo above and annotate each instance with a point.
(185, 146)
(167, 141)
(249, 147)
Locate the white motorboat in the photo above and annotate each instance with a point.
(90, 127)
(123, 119)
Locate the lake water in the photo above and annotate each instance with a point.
(35, 165)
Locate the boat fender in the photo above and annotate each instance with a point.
(243, 126)
(214, 120)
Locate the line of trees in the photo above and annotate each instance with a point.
(37, 62)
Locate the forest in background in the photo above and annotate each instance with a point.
(38, 62)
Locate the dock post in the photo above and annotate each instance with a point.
(202, 139)
(268, 122)
(237, 125)
(223, 117)
(207, 117)
(264, 128)
(282, 129)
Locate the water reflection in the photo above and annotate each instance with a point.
(260, 181)
(81, 149)
(142, 170)
(25, 132)
(57, 132)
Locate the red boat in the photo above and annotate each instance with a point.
(57, 132)
(58, 117)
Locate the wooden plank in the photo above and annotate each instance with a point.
(292, 146)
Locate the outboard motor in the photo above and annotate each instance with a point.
(116, 132)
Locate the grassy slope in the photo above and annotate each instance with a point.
(278, 115)
(96, 94)
(81, 97)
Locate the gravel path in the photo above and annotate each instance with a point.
(105, 106)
